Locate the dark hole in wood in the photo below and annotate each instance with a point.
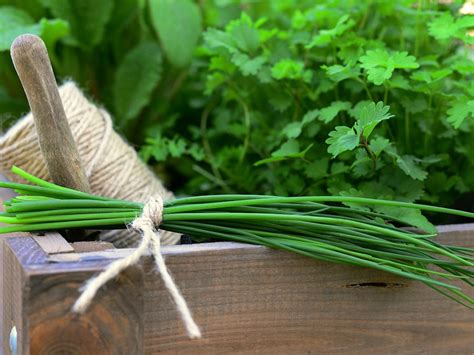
(376, 284)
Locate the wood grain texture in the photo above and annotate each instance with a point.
(249, 299)
(7, 283)
(112, 325)
(32, 64)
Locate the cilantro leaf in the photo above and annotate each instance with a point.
(446, 26)
(378, 145)
(380, 64)
(408, 164)
(247, 65)
(341, 140)
(370, 116)
(327, 114)
(460, 110)
(325, 36)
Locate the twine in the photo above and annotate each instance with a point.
(145, 224)
(112, 166)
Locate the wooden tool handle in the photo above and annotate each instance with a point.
(33, 66)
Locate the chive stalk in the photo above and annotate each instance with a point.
(319, 227)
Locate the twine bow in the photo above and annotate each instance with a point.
(152, 216)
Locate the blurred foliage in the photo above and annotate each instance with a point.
(363, 98)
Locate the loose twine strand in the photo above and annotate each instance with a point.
(145, 224)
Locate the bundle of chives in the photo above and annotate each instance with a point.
(320, 227)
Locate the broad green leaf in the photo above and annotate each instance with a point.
(460, 110)
(341, 140)
(53, 30)
(327, 114)
(178, 24)
(14, 22)
(137, 76)
(370, 116)
(87, 18)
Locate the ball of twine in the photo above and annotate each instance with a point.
(112, 166)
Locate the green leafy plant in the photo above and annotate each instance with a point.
(374, 98)
(289, 97)
(120, 50)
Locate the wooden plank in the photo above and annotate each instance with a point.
(53, 243)
(249, 299)
(84, 247)
(112, 325)
(5, 194)
(262, 301)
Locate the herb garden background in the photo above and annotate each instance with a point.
(353, 98)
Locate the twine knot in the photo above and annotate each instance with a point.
(152, 214)
(147, 225)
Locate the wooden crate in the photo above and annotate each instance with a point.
(247, 299)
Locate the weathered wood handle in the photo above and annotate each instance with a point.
(33, 66)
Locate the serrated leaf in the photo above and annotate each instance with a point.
(137, 76)
(178, 24)
(177, 147)
(323, 37)
(327, 114)
(342, 139)
(378, 145)
(446, 26)
(370, 116)
(380, 64)
(362, 165)
(411, 216)
(87, 18)
(409, 167)
(443, 27)
(215, 39)
(247, 65)
(245, 34)
(339, 72)
(459, 111)
(317, 169)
